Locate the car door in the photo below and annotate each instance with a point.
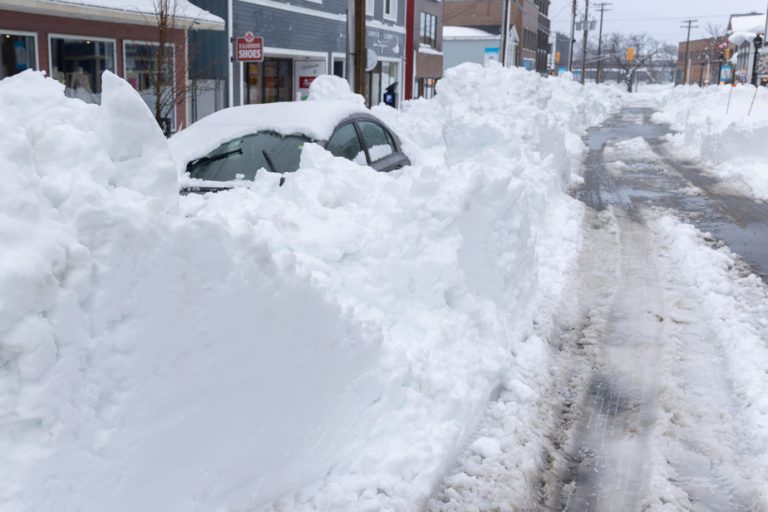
(380, 147)
(345, 143)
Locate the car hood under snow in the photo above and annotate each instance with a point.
(315, 119)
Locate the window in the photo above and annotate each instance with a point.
(428, 31)
(427, 87)
(141, 71)
(269, 81)
(241, 158)
(377, 140)
(370, 6)
(383, 75)
(79, 63)
(17, 53)
(344, 143)
(390, 9)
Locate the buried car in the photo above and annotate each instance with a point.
(235, 143)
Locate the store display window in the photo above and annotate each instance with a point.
(377, 81)
(18, 53)
(141, 71)
(79, 63)
(269, 81)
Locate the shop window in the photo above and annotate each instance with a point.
(269, 81)
(428, 31)
(377, 81)
(427, 87)
(142, 72)
(17, 53)
(338, 68)
(79, 63)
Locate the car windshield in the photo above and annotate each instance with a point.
(241, 158)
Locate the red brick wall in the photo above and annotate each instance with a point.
(44, 25)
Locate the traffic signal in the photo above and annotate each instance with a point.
(630, 54)
(728, 53)
(557, 57)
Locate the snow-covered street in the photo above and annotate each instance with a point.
(560, 304)
(662, 347)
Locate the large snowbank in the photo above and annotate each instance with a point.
(327, 344)
(715, 124)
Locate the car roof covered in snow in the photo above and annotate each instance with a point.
(314, 119)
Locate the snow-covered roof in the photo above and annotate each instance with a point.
(315, 119)
(749, 23)
(466, 33)
(741, 37)
(141, 12)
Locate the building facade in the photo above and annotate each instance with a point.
(529, 20)
(705, 60)
(424, 50)
(76, 42)
(306, 38)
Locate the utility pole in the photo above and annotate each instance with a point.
(573, 34)
(603, 7)
(586, 39)
(687, 44)
(505, 33)
(360, 47)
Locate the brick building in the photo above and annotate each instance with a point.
(704, 61)
(529, 20)
(75, 41)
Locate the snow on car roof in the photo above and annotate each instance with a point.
(315, 119)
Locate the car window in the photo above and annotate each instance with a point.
(344, 143)
(376, 138)
(244, 156)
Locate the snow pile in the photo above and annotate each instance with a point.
(736, 302)
(332, 87)
(327, 344)
(715, 124)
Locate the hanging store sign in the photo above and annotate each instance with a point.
(249, 48)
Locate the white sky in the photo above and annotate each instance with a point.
(659, 18)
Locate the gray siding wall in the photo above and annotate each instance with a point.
(290, 30)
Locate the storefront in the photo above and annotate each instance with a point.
(388, 44)
(18, 52)
(299, 44)
(283, 77)
(75, 43)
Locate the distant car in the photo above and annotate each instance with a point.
(234, 143)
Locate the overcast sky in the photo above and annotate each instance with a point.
(659, 18)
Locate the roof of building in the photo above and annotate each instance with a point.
(142, 12)
(748, 23)
(466, 33)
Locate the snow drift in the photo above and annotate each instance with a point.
(721, 125)
(327, 344)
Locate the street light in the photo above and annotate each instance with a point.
(758, 41)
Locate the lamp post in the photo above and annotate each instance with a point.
(758, 42)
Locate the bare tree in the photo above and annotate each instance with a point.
(169, 82)
(644, 49)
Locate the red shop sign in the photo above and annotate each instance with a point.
(249, 48)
